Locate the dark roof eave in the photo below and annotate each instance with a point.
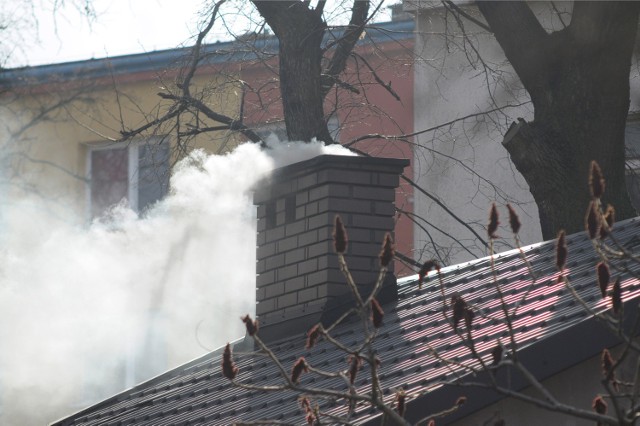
(213, 356)
(217, 53)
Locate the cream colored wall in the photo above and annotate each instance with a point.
(44, 167)
(50, 158)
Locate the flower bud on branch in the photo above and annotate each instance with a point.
(310, 414)
(609, 218)
(602, 270)
(376, 313)
(298, 368)
(459, 310)
(596, 180)
(592, 220)
(493, 221)
(426, 267)
(305, 404)
(607, 368)
(313, 335)
(514, 221)
(355, 362)
(252, 326)
(229, 368)
(599, 405)
(387, 253)
(616, 297)
(401, 405)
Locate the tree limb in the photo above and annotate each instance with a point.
(454, 7)
(435, 200)
(524, 41)
(386, 86)
(221, 118)
(346, 44)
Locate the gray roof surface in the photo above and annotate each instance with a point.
(197, 393)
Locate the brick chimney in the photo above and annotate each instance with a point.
(299, 282)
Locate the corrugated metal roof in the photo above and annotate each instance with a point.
(414, 327)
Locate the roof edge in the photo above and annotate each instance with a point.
(544, 358)
(215, 53)
(146, 384)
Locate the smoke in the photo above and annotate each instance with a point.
(88, 311)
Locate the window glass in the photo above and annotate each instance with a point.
(109, 178)
(153, 174)
(137, 173)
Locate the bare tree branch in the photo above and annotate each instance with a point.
(454, 7)
(345, 44)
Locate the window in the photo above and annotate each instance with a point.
(137, 172)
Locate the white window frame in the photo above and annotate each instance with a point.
(133, 148)
(132, 175)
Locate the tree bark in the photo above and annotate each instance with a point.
(300, 31)
(303, 84)
(578, 80)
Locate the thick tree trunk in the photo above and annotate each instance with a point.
(300, 31)
(303, 84)
(578, 80)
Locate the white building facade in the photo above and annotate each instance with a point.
(468, 95)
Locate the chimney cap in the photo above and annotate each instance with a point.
(359, 162)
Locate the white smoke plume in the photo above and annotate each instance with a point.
(87, 311)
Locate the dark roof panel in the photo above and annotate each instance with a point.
(414, 327)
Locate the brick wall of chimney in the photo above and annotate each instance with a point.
(298, 279)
